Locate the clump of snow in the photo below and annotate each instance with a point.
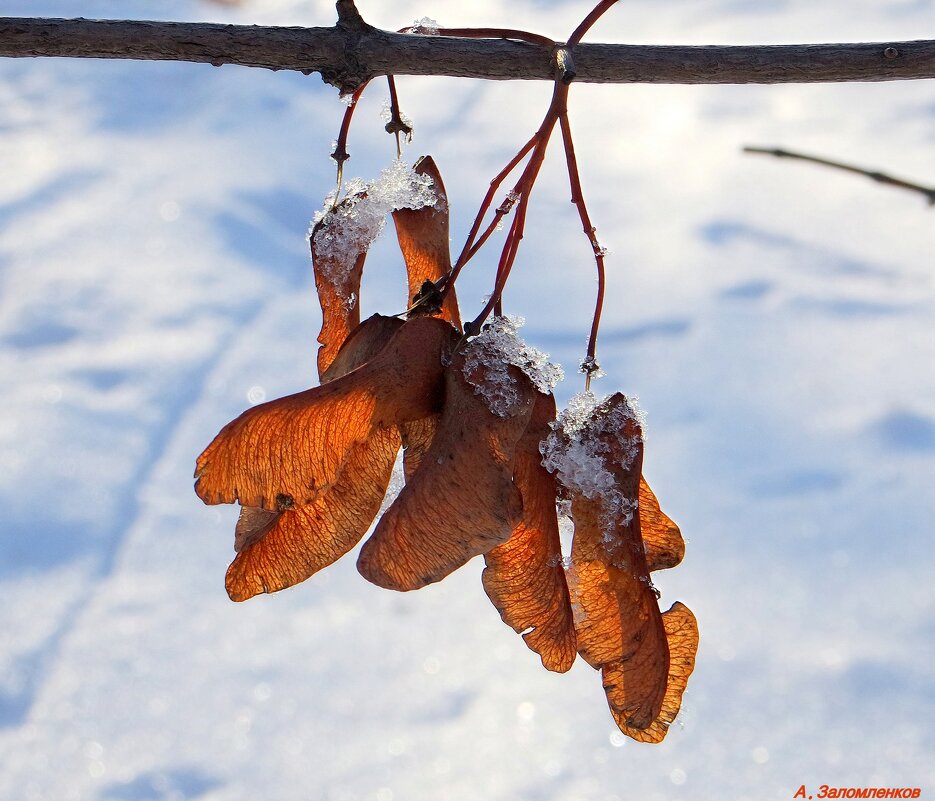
(347, 98)
(494, 350)
(425, 27)
(350, 226)
(590, 367)
(589, 433)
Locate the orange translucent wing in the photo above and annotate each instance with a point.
(524, 577)
(279, 549)
(423, 239)
(618, 620)
(298, 542)
(417, 437)
(284, 453)
(338, 269)
(361, 345)
(662, 539)
(461, 502)
(682, 636)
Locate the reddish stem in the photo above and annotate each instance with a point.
(396, 125)
(470, 247)
(590, 364)
(599, 10)
(498, 33)
(557, 112)
(340, 154)
(486, 33)
(524, 187)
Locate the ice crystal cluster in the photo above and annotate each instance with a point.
(386, 114)
(425, 27)
(497, 347)
(580, 443)
(350, 226)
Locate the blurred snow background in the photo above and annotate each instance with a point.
(775, 320)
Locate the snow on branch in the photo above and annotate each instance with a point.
(352, 52)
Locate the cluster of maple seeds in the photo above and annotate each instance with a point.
(485, 463)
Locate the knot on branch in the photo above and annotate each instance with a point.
(349, 18)
(350, 73)
(565, 64)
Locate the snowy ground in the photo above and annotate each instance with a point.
(775, 320)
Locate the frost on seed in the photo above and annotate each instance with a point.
(425, 27)
(350, 226)
(586, 435)
(496, 348)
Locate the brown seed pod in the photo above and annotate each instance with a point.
(461, 502)
(337, 279)
(288, 451)
(278, 549)
(682, 638)
(524, 577)
(423, 239)
(662, 539)
(289, 546)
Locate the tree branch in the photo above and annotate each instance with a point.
(351, 52)
(873, 175)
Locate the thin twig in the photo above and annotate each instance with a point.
(599, 10)
(470, 246)
(340, 154)
(397, 125)
(873, 175)
(590, 364)
(523, 190)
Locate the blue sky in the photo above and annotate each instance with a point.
(775, 320)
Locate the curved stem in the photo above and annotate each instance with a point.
(397, 125)
(589, 366)
(470, 247)
(524, 187)
(489, 33)
(340, 154)
(874, 175)
(599, 10)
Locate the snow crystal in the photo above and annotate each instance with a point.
(425, 27)
(386, 114)
(347, 98)
(578, 447)
(590, 367)
(495, 349)
(351, 225)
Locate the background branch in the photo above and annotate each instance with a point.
(348, 54)
(874, 175)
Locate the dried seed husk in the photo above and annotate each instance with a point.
(284, 453)
(681, 631)
(337, 281)
(461, 502)
(424, 240)
(524, 577)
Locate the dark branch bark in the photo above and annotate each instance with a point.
(873, 175)
(352, 51)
